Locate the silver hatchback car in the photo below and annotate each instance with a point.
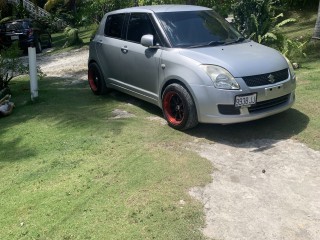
(191, 63)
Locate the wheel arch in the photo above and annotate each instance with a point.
(180, 82)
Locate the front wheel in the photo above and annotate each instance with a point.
(96, 80)
(178, 107)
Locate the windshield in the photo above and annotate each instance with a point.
(198, 29)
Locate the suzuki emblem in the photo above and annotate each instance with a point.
(271, 78)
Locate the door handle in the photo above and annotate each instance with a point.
(124, 49)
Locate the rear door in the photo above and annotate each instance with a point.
(108, 48)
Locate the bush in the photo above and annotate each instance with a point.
(258, 20)
(72, 37)
(10, 66)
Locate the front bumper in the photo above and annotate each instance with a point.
(217, 106)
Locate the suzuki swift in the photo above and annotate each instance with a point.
(191, 63)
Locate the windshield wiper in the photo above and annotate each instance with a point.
(240, 39)
(212, 43)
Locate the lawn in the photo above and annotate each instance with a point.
(59, 39)
(69, 170)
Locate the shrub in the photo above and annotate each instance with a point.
(72, 37)
(257, 20)
(10, 66)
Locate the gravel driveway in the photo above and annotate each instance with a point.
(264, 189)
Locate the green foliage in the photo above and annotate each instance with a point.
(10, 65)
(20, 12)
(72, 37)
(257, 20)
(293, 49)
(91, 11)
(299, 4)
(3, 20)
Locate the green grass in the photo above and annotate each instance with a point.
(303, 28)
(308, 83)
(69, 171)
(59, 39)
(308, 99)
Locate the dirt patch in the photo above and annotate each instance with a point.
(69, 65)
(160, 120)
(264, 189)
(118, 114)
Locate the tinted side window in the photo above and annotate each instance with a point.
(139, 25)
(114, 24)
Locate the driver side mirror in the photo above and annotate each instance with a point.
(148, 41)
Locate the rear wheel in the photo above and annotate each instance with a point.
(96, 80)
(178, 107)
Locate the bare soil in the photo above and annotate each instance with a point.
(262, 189)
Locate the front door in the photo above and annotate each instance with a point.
(141, 65)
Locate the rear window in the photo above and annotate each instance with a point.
(13, 26)
(114, 25)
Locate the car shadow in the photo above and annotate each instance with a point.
(282, 126)
(65, 103)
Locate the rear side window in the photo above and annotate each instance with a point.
(114, 25)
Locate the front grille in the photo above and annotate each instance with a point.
(269, 103)
(264, 79)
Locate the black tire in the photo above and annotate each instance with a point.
(178, 107)
(95, 79)
(38, 45)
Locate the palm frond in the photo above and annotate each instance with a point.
(286, 21)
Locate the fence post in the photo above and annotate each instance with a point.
(33, 72)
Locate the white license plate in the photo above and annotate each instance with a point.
(14, 37)
(245, 100)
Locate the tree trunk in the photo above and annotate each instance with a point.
(316, 33)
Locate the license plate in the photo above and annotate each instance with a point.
(14, 37)
(245, 100)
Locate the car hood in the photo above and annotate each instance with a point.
(242, 59)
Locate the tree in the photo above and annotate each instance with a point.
(316, 33)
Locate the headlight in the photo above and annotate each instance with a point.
(291, 69)
(221, 78)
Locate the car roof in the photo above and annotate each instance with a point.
(17, 20)
(162, 8)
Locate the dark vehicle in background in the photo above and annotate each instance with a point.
(27, 32)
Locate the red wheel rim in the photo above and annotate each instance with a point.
(173, 108)
(92, 80)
